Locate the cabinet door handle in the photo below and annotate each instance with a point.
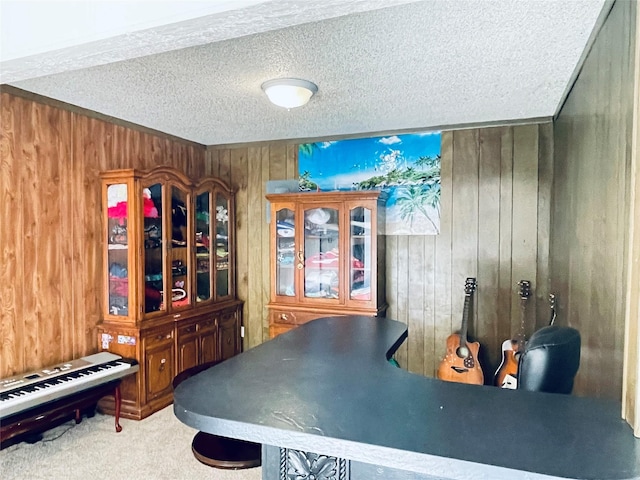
(283, 316)
(162, 364)
(163, 336)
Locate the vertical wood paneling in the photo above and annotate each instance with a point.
(591, 204)
(465, 226)
(524, 244)
(67, 223)
(443, 321)
(545, 179)
(12, 334)
(631, 371)
(239, 175)
(255, 218)
(415, 300)
(34, 268)
(404, 293)
(505, 279)
(489, 246)
(392, 281)
(50, 260)
(431, 358)
(92, 148)
(262, 334)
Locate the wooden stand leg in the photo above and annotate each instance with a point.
(78, 415)
(118, 399)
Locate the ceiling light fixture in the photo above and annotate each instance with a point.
(289, 92)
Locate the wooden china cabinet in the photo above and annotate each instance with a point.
(169, 282)
(327, 256)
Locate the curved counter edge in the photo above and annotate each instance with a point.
(327, 387)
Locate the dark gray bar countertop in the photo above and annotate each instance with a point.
(327, 387)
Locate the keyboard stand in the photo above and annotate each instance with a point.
(30, 424)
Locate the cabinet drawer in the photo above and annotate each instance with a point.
(293, 318)
(185, 330)
(207, 325)
(277, 329)
(158, 338)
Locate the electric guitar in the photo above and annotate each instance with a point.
(460, 363)
(506, 375)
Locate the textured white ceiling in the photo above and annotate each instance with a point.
(412, 66)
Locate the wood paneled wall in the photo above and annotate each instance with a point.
(247, 169)
(591, 203)
(495, 227)
(50, 241)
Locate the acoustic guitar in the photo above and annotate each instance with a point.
(460, 363)
(506, 375)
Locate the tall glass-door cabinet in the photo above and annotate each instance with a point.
(169, 281)
(327, 256)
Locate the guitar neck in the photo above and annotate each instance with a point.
(465, 316)
(469, 288)
(525, 293)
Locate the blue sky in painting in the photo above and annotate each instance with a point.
(337, 165)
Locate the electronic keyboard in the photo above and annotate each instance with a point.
(28, 390)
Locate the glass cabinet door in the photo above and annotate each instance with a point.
(179, 289)
(321, 253)
(360, 247)
(153, 248)
(222, 246)
(118, 249)
(203, 246)
(287, 260)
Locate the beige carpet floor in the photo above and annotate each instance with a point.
(156, 448)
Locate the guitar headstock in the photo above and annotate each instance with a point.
(552, 307)
(525, 289)
(470, 285)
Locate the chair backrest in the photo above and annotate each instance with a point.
(550, 360)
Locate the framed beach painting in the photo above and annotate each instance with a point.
(407, 167)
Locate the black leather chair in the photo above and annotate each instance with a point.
(217, 451)
(550, 360)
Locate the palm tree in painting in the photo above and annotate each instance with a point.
(412, 199)
(432, 197)
(305, 184)
(307, 149)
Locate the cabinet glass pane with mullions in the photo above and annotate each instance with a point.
(180, 284)
(222, 246)
(203, 247)
(361, 261)
(321, 253)
(118, 249)
(286, 252)
(154, 248)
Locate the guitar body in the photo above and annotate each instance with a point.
(507, 373)
(454, 368)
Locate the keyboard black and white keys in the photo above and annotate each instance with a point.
(21, 392)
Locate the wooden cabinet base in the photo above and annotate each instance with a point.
(130, 410)
(283, 318)
(168, 347)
